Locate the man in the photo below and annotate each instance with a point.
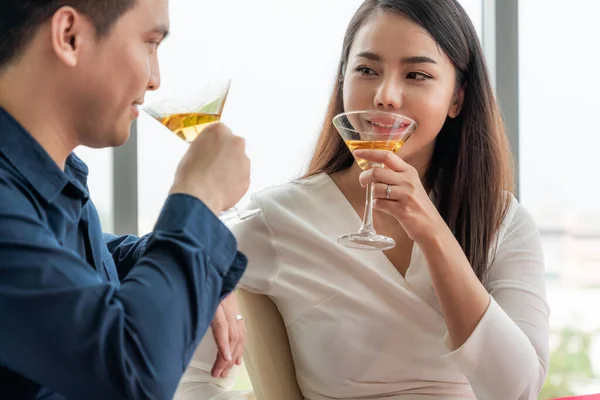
(82, 315)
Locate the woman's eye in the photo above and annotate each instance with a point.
(417, 76)
(366, 71)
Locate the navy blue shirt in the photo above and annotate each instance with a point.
(84, 315)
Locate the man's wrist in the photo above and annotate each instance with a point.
(208, 197)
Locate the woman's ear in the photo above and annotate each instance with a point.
(457, 103)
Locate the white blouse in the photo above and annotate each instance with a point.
(358, 329)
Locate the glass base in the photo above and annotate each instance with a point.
(367, 241)
(233, 216)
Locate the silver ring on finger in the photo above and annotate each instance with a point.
(388, 192)
(239, 317)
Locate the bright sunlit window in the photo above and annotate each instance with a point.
(559, 139)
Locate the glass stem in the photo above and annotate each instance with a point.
(367, 225)
(228, 214)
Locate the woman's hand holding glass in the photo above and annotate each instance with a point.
(399, 192)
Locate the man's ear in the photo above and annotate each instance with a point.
(69, 30)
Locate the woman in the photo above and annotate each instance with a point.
(457, 309)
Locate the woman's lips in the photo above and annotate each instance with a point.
(388, 126)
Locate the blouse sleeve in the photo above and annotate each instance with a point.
(507, 355)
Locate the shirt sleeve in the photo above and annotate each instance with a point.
(507, 355)
(66, 328)
(256, 241)
(126, 251)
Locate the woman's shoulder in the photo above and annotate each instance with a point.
(294, 193)
(517, 220)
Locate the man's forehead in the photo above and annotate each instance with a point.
(152, 12)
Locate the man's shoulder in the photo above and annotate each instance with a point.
(15, 192)
(8, 172)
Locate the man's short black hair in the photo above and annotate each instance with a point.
(20, 20)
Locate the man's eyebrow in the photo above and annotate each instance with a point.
(162, 30)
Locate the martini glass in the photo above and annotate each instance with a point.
(375, 130)
(187, 114)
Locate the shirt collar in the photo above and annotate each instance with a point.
(35, 164)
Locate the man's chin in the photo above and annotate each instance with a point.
(108, 137)
(121, 135)
(120, 139)
(115, 140)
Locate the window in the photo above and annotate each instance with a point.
(100, 183)
(475, 10)
(282, 77)
(559, 140)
